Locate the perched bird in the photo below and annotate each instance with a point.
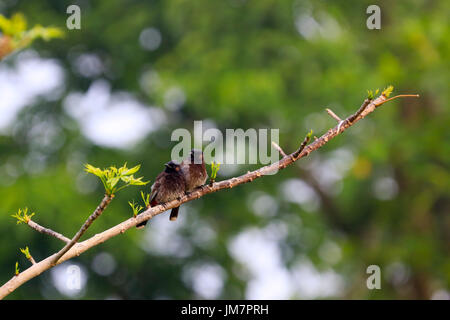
(194, 172)
(169, 185)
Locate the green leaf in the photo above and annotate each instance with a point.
(123, 169)
(126, 179)
(18, 23)
(96, 171)
(387, 92)
(371, 95)
(146, 198)
(132, 170)
(17, 271)
(136, 209)
(6, 25)
(26, 252)
(113, 181)
(138, 181)
(214, 169)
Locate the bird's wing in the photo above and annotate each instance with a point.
(155, 188)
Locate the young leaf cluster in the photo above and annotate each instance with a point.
(136, 208)
(15, 35)
(22, 216)
(115, 179)
(214, 169)
(386, 92)
(26, 252)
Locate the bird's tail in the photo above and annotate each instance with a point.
(174, 214)
(141, 225)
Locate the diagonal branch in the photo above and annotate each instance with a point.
(50, 232)
(98, 211)
(73, 249)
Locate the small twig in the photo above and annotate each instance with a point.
(32, 260)
(353, 117)
(27, 254)
(333, 115)
(50, 232)
(276, 146)
(295, 155)
(403, 96)
(98, 211)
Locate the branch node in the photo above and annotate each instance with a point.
(340, 125)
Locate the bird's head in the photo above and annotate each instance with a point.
(172, 166)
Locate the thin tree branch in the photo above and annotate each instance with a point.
(76, 249)
(31, 259)
(360, 110)
(333, 115)
(98, 211)
(403, 96)
(28, 255)
(276, 146)
(50, 232)
(295, 155)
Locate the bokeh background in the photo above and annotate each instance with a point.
(114, 91)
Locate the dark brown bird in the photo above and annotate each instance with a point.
(169, 185)
(194, 172)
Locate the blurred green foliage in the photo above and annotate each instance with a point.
(16, 36)
(247, 64)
